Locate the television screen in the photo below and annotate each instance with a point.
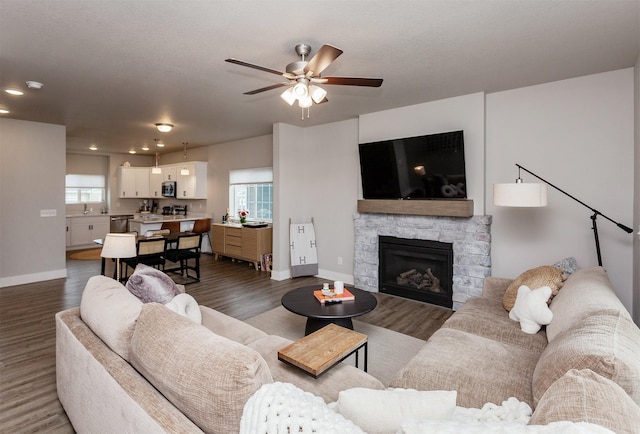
(423, 167)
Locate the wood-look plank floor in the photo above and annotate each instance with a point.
(28, 398)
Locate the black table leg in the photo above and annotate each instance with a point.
(314, 324)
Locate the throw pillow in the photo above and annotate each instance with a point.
(151, 285)
(531, 308)
(187, 306)
(385, 410)
(545, 275)
(567, 265)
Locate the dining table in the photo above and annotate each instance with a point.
(171, 238)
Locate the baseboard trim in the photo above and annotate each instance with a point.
(32, 278)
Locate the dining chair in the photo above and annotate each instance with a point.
(149, 252)
(174, 227)
(203, 226)
(188, 247)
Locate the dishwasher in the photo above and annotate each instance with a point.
(119, 223)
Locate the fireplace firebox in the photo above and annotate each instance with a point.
(417, 269)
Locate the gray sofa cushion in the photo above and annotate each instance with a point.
(206, 376)
(585, 292)
(328, 386)
(486, 317)
(607, 343)
(480, 369)
(582, 395)
(111, 312)
(229, 327)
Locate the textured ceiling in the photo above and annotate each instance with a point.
(111, 69)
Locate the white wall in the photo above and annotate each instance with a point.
(290, 198)
(32, 169)
(452, 114)
(241, 154)
(578, 135)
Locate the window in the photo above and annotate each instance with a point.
(84, 189)
(252, 189)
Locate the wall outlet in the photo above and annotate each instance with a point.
(48, 213)
(339, 260)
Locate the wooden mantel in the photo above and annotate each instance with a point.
(436, 207)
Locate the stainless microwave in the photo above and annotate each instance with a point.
(169, 189)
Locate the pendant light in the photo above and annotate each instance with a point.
(185, 171)
(156, 170)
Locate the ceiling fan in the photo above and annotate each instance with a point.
(304, 76)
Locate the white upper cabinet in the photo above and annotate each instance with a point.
(134, 182)
(139, 182)
(193, 185)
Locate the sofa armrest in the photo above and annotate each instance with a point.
(229, 327)
(495, 287)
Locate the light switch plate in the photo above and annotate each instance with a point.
(48, 213)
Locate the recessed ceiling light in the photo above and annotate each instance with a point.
(160, 145)
(15, 92)
(34, 85)
(4, 111)
(164, 128)
(93, 147)
(145, 148)
(133, 151)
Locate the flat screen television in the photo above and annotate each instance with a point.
(422, 167)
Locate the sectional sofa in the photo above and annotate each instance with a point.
(139, 367)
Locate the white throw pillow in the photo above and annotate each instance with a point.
(383, 411)
(187, 306)
(531, 308)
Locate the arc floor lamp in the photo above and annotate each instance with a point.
(520, 194)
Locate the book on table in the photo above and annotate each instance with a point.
(345, 296)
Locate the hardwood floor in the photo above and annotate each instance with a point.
(28, 398)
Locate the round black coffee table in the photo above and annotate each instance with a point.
(302, 302)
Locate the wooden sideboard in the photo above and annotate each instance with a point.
(238, 242)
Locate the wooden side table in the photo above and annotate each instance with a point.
(321, 350)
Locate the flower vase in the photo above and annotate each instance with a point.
(243, 220)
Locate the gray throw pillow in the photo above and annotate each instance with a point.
(151, 285)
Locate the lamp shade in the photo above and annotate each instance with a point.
(520, 194)
(119, 246)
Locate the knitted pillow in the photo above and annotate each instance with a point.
(545, 275)
(151, 285)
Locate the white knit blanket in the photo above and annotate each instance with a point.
(279, 408)
(282, 408)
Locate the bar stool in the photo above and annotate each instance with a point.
(172, 226)
(203, 226)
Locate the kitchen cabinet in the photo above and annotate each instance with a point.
(83, 230)
(155, 185)
(68, 233)
(238, 242)
(169, 173)
(134, 182)
(193, 185)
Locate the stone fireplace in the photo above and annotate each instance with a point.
(469, 237)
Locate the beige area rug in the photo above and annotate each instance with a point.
(388, 350)
(86, 255)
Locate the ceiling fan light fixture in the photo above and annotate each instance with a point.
(301, 90)
(305, 102)
(164, 128)
(317, 93)
(288, 96)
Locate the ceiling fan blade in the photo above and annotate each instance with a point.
(264, 89)
(260, 68)
(322, 59)
(352, 81)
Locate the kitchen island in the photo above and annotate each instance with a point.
(141, 223)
